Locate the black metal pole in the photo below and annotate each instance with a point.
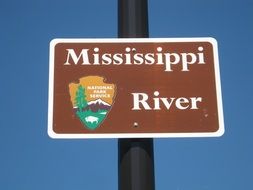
(135, 156)
(133, 19)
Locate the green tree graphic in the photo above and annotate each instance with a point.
(80, 99)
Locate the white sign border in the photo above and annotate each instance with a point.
(211, 40)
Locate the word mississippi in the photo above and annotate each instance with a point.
(131, 56)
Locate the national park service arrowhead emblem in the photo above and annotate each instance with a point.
(92, 100)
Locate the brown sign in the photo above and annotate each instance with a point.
(122, 88)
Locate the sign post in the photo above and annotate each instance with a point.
(135, 156)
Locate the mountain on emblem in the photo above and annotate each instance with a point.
(92, 100)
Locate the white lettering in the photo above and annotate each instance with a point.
(194, 102)
(179, 103)
(106, 59)
(138, 59)
(130, 56)
(117, 59)
(96, 56)
(201, 56)
(75, 58)
(140, 98)
(169, 62)
(142, 101)
(167, 103)
(187, 58)
(149, 59)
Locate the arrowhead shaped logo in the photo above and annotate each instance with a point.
(92, 100)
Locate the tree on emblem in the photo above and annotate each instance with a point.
(80, 99)
(81, 102)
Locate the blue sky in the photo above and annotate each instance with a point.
(30, 160)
